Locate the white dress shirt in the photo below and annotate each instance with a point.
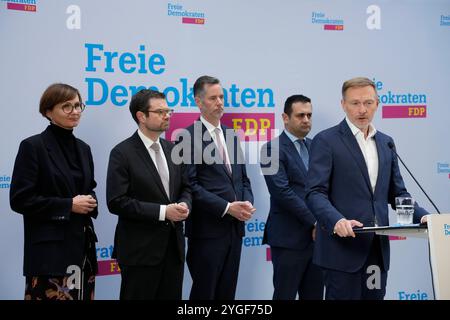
(148, 143)
(212, 133)
(369, 150)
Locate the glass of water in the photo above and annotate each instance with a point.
(405, 210)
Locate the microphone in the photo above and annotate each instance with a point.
(391, 146)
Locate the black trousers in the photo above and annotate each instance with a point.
(161, 282)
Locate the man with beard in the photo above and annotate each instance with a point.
(290, 228)
(150, 196)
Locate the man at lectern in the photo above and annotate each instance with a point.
(353, 176)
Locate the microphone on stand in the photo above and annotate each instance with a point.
(392, 147)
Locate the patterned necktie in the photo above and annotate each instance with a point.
(222, 150)
(162, 167)
(304, 153)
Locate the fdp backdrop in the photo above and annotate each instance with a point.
(263, 51)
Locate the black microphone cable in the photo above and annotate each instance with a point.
(392, 147)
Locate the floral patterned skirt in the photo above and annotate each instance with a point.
(60, 287)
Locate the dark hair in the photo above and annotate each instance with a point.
(141, 101)
(358, 83)
(57, 93)
(293, 99)
(199, 85)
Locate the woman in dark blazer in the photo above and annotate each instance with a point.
(53, 188)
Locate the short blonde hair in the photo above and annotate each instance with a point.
(358, 83)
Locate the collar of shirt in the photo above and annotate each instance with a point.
(210, 127)
(291, 136)
(146, 140)
(355, 130)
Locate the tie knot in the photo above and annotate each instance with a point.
(155, 146)
(217, 130)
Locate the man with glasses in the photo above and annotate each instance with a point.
(290, 228)
(151, 197)
(353, 176)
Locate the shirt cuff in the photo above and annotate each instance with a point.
(423, 217)
(162, 212)
(226, 210)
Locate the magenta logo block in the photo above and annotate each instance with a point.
(268, 254)
(193, 20)
(419, 111)
(108, 267)
(333, 27)
(396, 238)
(250, 126)
(21, 7)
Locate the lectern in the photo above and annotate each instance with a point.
(437, 231)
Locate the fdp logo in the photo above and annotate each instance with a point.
(106, 265)
(21, 5)
(401, 104)
(329, 24)
(187, 16)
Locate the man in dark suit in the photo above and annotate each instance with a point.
(352, 178)
(290, 228)
(150, 196)
(222, 197)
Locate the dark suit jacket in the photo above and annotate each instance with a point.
(339, 186)
(42, 189)
(290, 222)
(212, 187)
(134, 192)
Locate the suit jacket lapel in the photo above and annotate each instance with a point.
(56, 155)
(148, 162)
(308, 144)
(207, 140)
(381, 150)
(85, 168)
(352, 145)
(291, 149)
(233, 160)
(206, 137)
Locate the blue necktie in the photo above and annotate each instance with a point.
(304, 152)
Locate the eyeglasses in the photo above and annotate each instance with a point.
(162, 112)
(68, 107)
(367, 103)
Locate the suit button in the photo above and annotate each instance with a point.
(167, 223)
